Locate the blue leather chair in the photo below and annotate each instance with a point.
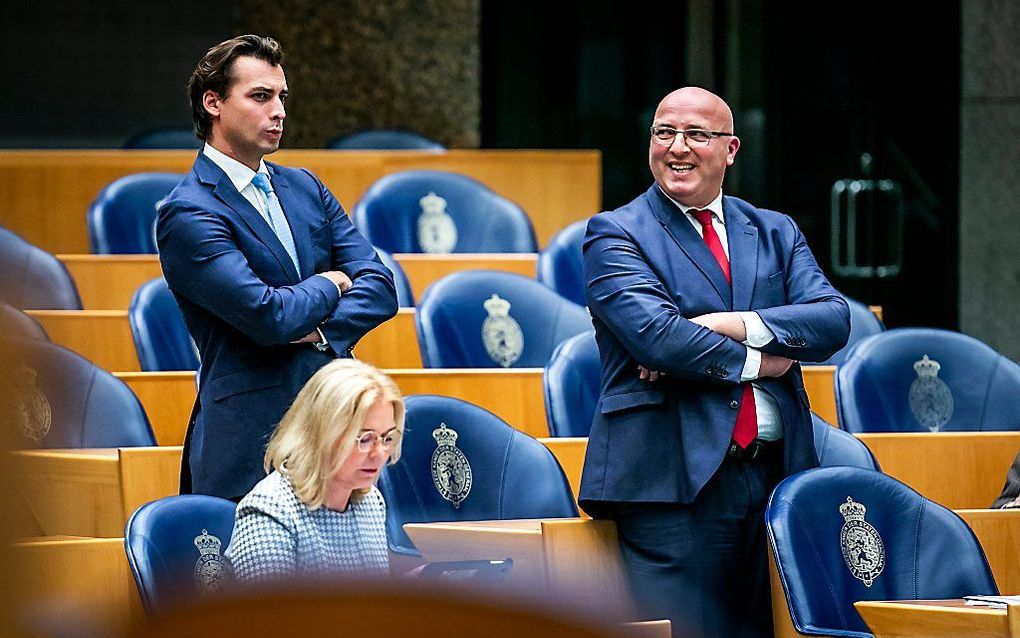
(486, 470)
(33, 279)
(490, 319)
(169, 137)
(175, 548)
(14, 323)
(465, 216)
(121, 217)
(560, 264)
(65, 401)
(161, 337)
(924, 379)
(838, 447)
(863, 324)
(405, 296)
(571, 382)
(897, 545)
(384, 139)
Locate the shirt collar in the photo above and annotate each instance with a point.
(715, 206)
(239, 174)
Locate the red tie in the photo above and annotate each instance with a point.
(747, 417)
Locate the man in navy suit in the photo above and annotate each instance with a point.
(271, 276)
(703, 305)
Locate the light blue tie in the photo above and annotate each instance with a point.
(277, 220)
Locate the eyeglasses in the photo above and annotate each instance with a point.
(695, 138)
(389, 439)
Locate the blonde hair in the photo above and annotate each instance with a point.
(318, 432)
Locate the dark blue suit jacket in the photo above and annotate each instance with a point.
(244, 303)
(647, 270)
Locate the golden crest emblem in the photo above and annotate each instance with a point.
(32, 408)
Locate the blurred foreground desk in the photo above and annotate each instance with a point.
(92, 492)
(938, 619)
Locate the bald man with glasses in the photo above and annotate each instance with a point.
(703, 307)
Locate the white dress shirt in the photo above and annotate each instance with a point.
(770, 423)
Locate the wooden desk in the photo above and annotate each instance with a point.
(998, 531)
(44, 195)
(819, 383)
(108, 282)
(569, 452)
(104, 338)
(91, 492)
(514, 395)
(938, 619)
(85, 579)
(960, 470)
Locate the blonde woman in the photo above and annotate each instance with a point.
(319, 512)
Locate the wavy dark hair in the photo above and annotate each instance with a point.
(213, 72)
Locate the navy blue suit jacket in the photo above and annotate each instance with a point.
(647, 270)
(244, 302)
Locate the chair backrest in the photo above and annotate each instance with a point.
(16, 324)
(384, 139)
(33, 279)
(405, 296)
(924, 379)
(837, 447)
(571, 382)
(121, 217)
(161, 337)
(560, 264)
(460, 462)
(863, 323)
(65, 401)
(490, 319)
(844, 534)
(175, 548)
(440, 212)
(169, 137)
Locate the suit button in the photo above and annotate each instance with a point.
(734, 405)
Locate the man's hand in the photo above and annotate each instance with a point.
(311, 337)
(649, 375)
(773, 365)
(338, 278)
(728, 324)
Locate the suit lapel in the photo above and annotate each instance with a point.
(302, 240)
(224, 190)
(690, 242)
(742, 237)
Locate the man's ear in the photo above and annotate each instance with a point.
(211, 102)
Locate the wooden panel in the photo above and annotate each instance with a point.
(513, 395)
(569, 451)
(393, 344)
(85, 580)
(583, 557)
(999, 534)
(782, 622)
(108, 282)
(101, 336)
(93, 492)
(960, 470)
(818, 381)
(935, 619)
(44, 195)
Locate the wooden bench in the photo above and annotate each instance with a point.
(44, 195)
(108, 282)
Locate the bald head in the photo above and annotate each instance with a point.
(697, 98)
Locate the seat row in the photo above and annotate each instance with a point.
(169, 137)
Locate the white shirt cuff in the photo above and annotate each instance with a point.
(339, 290)
(752, 365)
(757, 333)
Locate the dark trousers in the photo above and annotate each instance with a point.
(704, 565)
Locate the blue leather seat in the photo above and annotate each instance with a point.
(863, 324)
(900, 546)
(14, 323)
(571, 382)
(161, 337)
(168, 137)
(490, 319)
(462, 215)
(384, 139)
(121, 217)
(175, 546)
(560, 264)
(33, 279)
(837, 447)
(405, 296)
(487, 470)
(67, 402)
(924, 379)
